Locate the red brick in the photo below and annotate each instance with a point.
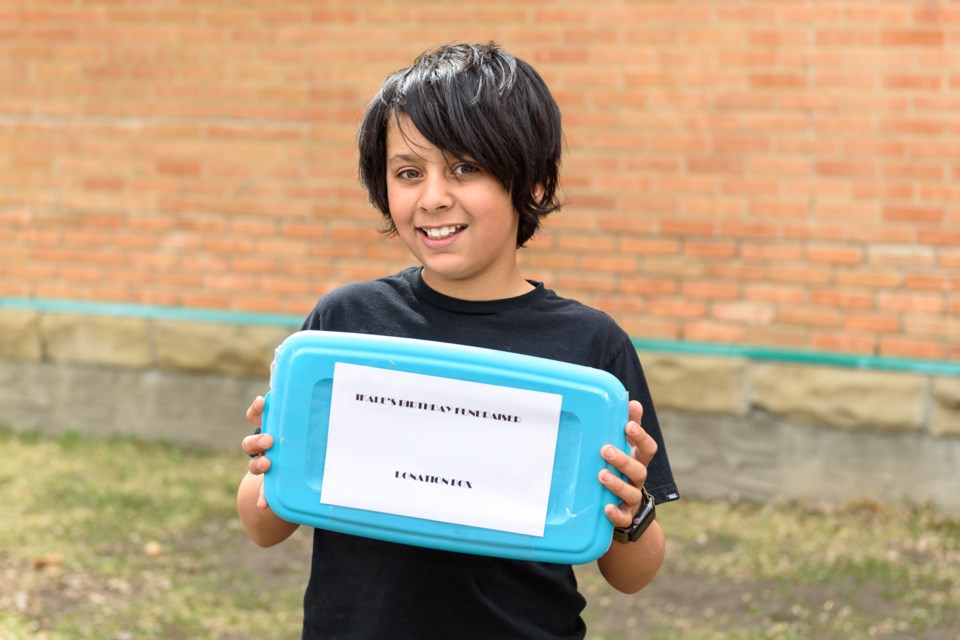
(715, 165)
(586, 282)
(949, 258)
(845, 343)
(739, 271)
(617, 304)
(671, 266)
(869, 278)
(625, 222)
(938, 238)
(874, 323)
(779, 251)
(835, 254)
(932, 328)
(933, 282)
(648, 246)
(710, 290)
(717, 207)
(648, 286)
(778, 81)
(845, 37)
(254, 264)
(779, 209)
(715, 249)
(913, 82)
(778, 38)
(706, 331)
(775, 293)
(910, 302)
(747, 313)
(749, 230)
(745, 14)
(875, 147)
(847, 169)
(800, 274)
(903, 255)
(842, 299)
(911, 126)
(778, 336)
(677, 308)
(809, 316)
(614, 264)
(907, 348)
(178, 167)
(914, 171)
(912, 37)
(687, 227)
(779, 166)
(868, 212)
(875, 234)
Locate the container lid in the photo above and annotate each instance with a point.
(444, 446)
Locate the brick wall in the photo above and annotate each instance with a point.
(761, 173)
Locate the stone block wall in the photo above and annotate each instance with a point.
(776, 430)
(763, 430)
(160, 379)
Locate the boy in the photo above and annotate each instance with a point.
(461, 152)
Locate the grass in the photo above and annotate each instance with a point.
(123, 539)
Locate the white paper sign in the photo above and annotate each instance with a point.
(440, 449)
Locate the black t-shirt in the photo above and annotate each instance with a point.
(363, 588)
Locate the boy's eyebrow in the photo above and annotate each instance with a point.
(405, 157)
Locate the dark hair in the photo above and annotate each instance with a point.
(478, 101)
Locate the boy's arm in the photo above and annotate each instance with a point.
(262, 525)
(632, 566)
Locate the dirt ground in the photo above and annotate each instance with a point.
(678, 604)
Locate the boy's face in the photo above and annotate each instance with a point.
(455, 218)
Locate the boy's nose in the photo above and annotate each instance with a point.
(435, 195)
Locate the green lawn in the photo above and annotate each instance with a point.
(122, 539)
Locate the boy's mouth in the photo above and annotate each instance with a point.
(440, 233)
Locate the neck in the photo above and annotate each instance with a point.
(478, 290)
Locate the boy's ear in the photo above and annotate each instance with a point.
(538, 192)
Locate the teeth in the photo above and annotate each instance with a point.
(440, 233)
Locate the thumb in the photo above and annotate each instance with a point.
(262, 499)
(255, 412)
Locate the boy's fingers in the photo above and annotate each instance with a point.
(259, 465)
(256, 444)
(255, 412)
(633, 469)
(644, 447)
(262, 499)
(621, 515)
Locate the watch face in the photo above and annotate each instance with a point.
(641, 521)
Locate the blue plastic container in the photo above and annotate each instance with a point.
(593, 412)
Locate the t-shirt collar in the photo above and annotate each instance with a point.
(423, 291)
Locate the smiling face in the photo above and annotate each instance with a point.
(456, 218)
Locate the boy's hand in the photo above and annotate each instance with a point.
(256, 445)
(633, 466)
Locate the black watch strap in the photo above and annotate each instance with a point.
(641, 521)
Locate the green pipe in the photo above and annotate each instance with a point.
(854, 361)
(122, 310)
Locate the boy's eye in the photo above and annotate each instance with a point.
(463, 170)
(408, 174)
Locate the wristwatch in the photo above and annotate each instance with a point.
(646, 515)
